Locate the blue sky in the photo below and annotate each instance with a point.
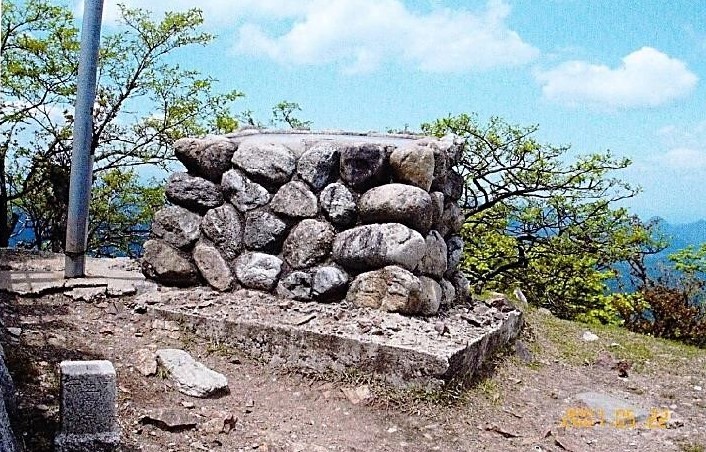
(621, 75)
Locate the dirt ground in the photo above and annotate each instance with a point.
(519, 404)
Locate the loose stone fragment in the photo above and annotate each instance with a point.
(363, 165)
(263, 231)
(296, 285)
(243, 193)
(224, 227)
(295, 199)
(190, 376)
(166, 265)
(193, 193)
(308, 243)
(431, 296)
(378, 245)
(208, 158)
(338, 203)
(434, 260)
(397, 203)
(267, 163)
(392, 289)
(258, 270)
(319, 165)
(145, 362)
(213, 266)
(329, 283)
(177, 226)
(413, 165)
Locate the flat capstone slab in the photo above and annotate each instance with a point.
(88, 421)
(338, 337)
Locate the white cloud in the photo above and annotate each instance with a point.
(647, 77)
(358, 35)
(688, 159)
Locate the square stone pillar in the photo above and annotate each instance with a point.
(88, 421)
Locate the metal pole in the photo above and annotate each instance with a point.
(82, 155)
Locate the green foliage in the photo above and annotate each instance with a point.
(538, 220)
(143, 104)
(283, 114)
(690, 260)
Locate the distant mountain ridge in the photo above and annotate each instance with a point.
(682, 235)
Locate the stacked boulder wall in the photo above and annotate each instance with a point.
(373, 219)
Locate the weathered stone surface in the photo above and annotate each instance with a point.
(208, 158)
(8, 442)
(258, 270)
(329, 283)
(363, 165)
(263, 231)
(437, 203)
(243, 193)
(461, 286)
(431, 296)
(7, 405)
(453, 187)
(452, 219)
(435, 257)
(296, 285)
(177, 226)
(448, 293)
(166, 265)
(268, 163)
(193, 193)
(319, 165)
(378, 245)
(88, 418)
(308, 243)
(398, 203)
(392, 289)
(190, 376)
(413, 165)
(294, 199)
(338, 203)
(454, 246)
(212, 266)
(441, 167)
(145, 362)
(224, 227)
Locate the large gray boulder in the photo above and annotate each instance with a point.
(454, 247)
(271, 164)
(177, 226)
(167, 265)
(453, 187)
(296, 285)
(448, 292)
(363, 165)
(338, 203)
(212, 266)
(441, 167)
(319, 165)
(413, 165)
(392, 289)
(309, 242)
(263, 231)
(378, 245)
(190, 376)
(329, 283)
(208, 158)
(294, 199)
(451, 220)
(434, 260)
(397, 203)
(194, 193)
(258, 270)
(243, 193)
(224, 227)
(431, 296)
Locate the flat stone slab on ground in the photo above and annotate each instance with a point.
(191, 377)
(336, 337)
(612, 407)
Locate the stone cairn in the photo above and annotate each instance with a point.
(321, 217)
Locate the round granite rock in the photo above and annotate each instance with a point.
(258, 270)
(271, 164)
(208, 158)
(319, 165)
(398, 203)
(294, 199)
(177, 226)
(378, 245)
(338, 203)
(263, 231)
(243, 193)
(309, 242)
(194, 193)
(166, 265)
(224, 227)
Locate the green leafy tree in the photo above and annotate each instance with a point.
(284, 114)
(143, 104)
(537, 219)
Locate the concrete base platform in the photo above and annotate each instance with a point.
(337, 337)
